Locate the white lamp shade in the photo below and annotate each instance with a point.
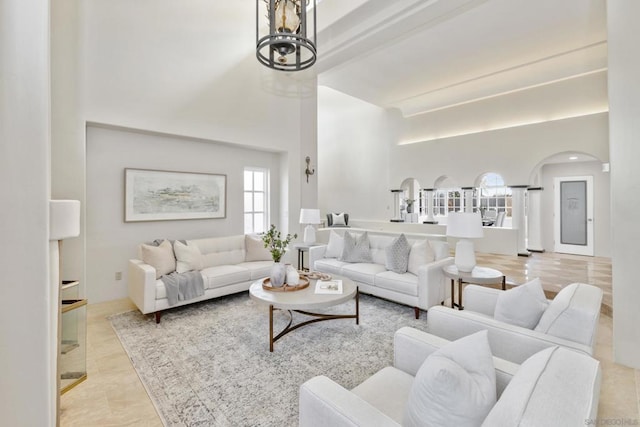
(465, 225)
(309, 216)
(64, 219)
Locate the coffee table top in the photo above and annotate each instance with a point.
(305, 299)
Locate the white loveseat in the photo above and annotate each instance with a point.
(556, 387)
(570, 320)
(422, 287)
(227, 264)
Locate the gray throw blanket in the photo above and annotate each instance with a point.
(183, 286)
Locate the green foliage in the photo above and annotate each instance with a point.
(277, 246)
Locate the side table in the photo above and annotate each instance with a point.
(477, 276)
(302, 248)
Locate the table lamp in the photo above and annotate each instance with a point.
(309, 217)
(465, 226)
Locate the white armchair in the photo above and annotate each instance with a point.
(572, 322)
(557, 387)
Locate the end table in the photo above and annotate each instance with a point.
(477, 276)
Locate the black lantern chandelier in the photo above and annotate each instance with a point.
(290, 43)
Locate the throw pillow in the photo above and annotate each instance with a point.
(189, 257)
(255, 250)
(335, 246)
(337, 219)
(455, 386)
(522, 305)
(356, 250)
(421, 253)
(398, 255)
(159, 257)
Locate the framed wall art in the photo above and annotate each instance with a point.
(155, 195)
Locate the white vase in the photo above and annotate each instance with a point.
(293, 278)
(278, 274)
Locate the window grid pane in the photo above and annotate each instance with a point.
(255, 200)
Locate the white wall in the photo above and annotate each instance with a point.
(514, 153)
(624, 100)
(29, 311)
(160, 67)
(353, 167)
(111, 241)
(601, 205)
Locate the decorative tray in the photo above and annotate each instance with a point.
(304, 283)
(315, 275)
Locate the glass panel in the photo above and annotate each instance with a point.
(248, 201)
(258, 202)
(259, 223)
(259, 181)
(73, 347)
(248, 223)
(248, 180)
(573, 212)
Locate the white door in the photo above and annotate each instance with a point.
(573, 215)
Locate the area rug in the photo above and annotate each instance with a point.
(208, 364)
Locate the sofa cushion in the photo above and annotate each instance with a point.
(406, 283)
(255, 250)
(440, 249)
(257, 269)
(189, 257)
(159, 257)
(378, 247)
(356, 249)
(397, 255)
(335, 246)
(573, 313)
(223, 275)
(554, 387)
(421, 253)
(220, 250)
(329, 265)
(362, 272)
(338, 220)
(396, 385)
(455, 386)
(522, 305)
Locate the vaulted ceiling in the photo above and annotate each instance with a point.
(425, 55)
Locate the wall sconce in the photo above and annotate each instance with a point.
(308, 171)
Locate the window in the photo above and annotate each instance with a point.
(493, 195)
(447, 200)
(256, 200)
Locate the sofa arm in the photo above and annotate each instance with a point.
(412, 346)
(509, 342)
(316, 253)
(432, 283)
(326, 403)
(480, 299)
(142, 285)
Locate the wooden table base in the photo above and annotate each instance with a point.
(319, 317)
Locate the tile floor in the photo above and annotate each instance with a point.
(113, 395)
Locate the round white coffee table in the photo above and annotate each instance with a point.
(303, 300)
(477, 276)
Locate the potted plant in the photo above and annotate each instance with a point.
(277, 247)
(410, 205)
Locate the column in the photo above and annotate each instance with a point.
(534, 225)
(624, 150)
(468, 198)
(428, 194)
(396, 205)
(518, 217)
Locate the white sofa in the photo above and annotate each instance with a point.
(570, 320)
(423, 290)
(558, 387)
(228, 265)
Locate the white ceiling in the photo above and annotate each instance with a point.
(425, 55)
